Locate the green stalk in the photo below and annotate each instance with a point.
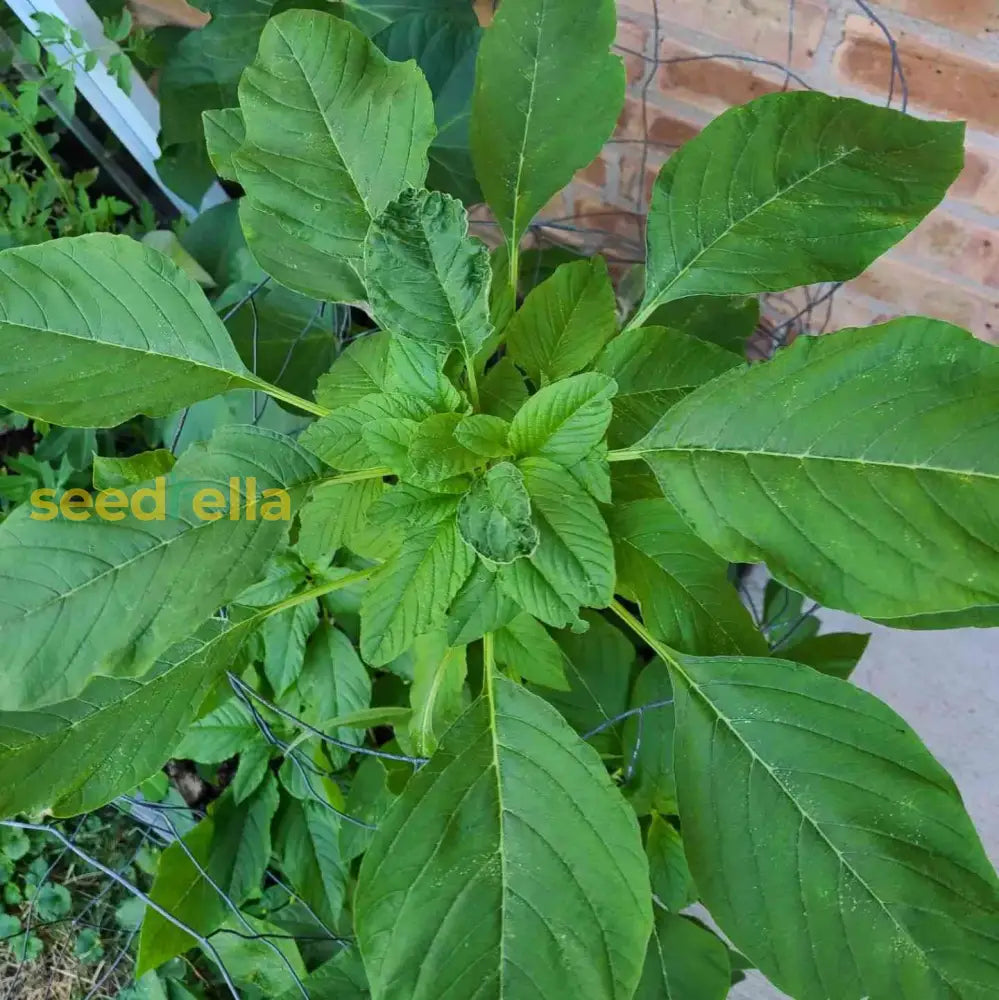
(354, 477)
(291, 399)
(320, 591)
(625, 455)
(473, 385)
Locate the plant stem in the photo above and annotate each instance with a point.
(639, 319)
(625, 455)
(313, 592)
(37, 146)
(514, 257)
(289, 397)
(473, 385)
(354, 477)
(488, 663)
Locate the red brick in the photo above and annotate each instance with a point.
(957, 245)
(623, 229)
(630, 168)
(906, 289)
(663, 129)
(979, 182)
(973, 17)
(714, 84)
(595, 173)
(634, 39)
(756, 26)
(940, 80)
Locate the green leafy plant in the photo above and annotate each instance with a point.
(488, 700)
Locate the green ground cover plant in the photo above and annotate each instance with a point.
(488, 702)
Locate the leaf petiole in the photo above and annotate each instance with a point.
(291, 399)
(355, 477)
(319, 591)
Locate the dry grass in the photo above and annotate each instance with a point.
(58, 975)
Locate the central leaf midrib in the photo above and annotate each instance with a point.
(806, 816)
(810, 457)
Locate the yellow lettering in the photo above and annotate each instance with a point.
(75, 504)
(43, 502)
(251, 499)
(276, 505)
(157, 493)
(202, 500)
(111, 505)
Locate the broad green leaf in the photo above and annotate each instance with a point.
(368, 800)
(888, 513)
(231, 846)
(597, 665)
(117, 473)
(484, 434)
(332, 515)
(387, 362)
(685, 962)
(836, 653)
(338, 439)
(225, 133)
(503, 391)
(727, 322)
(564, 322)
(654, 368)
(980, 617)
(334, 131)
(334, 682)
(220, 734)
(564, 421)
(406, 506)
(818, 827)
(524, 646)
(445, 46)
(284, 575)
(375, 15)
(537, 810)
(792, 189)
(648, 743)
(786, 619)
(426, 277)
(681, 585)
(148, 343)
(307, 844)
(573, 564)
(436, 454)
(341, 977)
(79, 755)
(167, 243)
(593, 474)
(252, 769)
(285, 636)
(437, 692)
(411, 593)
(671, 882)
(108, 597)
(262, 961)
(547, 96)
(494, 516)
(480, 606)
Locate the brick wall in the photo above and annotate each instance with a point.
(949, 50)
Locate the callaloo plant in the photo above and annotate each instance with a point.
(500, 715)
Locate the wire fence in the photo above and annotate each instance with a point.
(160, 824)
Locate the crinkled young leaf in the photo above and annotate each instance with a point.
(573, 565)
(494, 516)
(338, 439)
(538, 811)
(332, 515)
(525, 647)
(685, 962)
(97, 329)
(307, 844)
(565, 421)
(445, 46)
(426, 277)
(77, 756)
(108, 597)
(437, 693)
(411, 593)
(859, 466)
(225, 133)
(117, 473)
(334, 131)
(654, 368)
(680, 583)
(547, 96)
(564, 322)
(818, 827)
(792, 189)
(407, 506)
